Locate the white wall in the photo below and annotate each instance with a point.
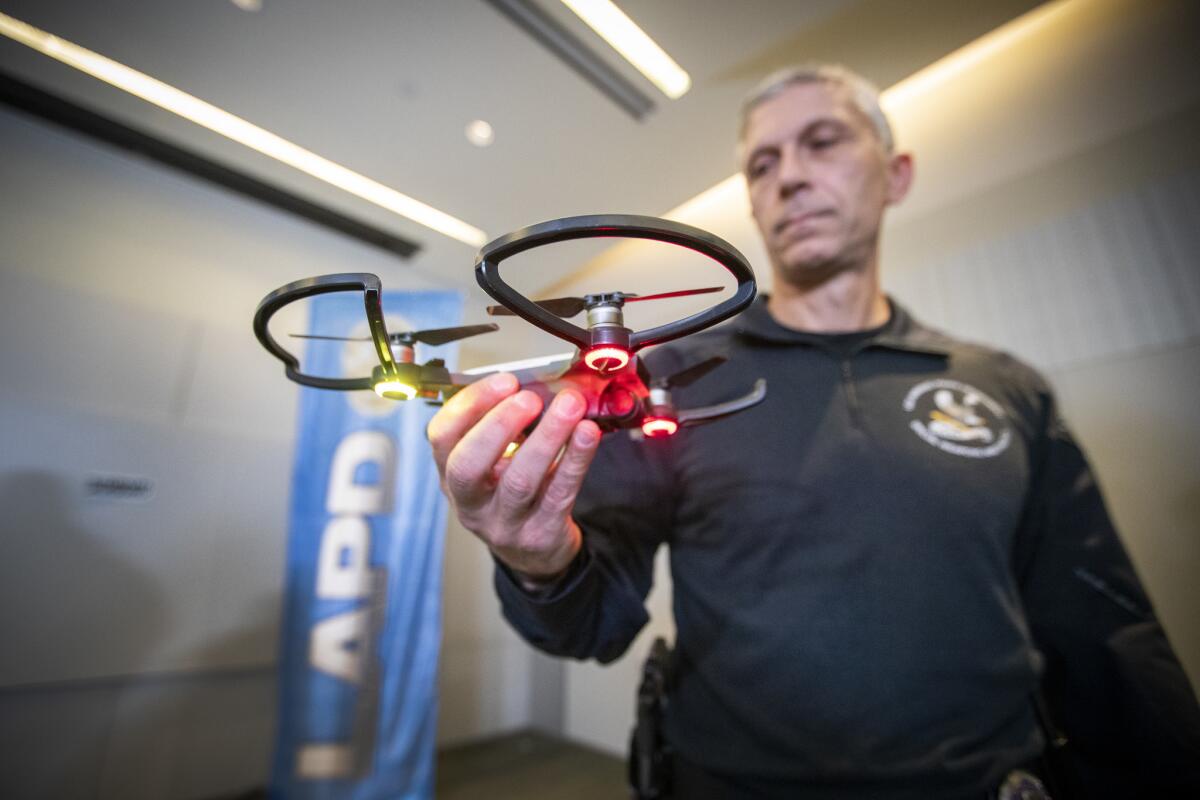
(1054, 215)
(141, 638)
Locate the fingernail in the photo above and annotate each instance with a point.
(502, 382)
(586, 435)
(568, 404)
(528, 401)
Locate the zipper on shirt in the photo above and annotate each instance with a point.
(851, 393)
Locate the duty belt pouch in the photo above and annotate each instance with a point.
(649, 758)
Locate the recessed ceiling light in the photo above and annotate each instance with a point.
(248, 5)
(633, 44)
(220, 121)
(480, 133)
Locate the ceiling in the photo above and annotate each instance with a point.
(386, 87)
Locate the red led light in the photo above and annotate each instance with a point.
(606, 358)
(658, 427)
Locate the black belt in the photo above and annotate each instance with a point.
(691, 782)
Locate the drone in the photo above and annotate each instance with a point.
(620, 391)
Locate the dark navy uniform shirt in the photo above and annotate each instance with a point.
(857, 562)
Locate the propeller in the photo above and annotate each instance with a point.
(430, 336)
(564, 307)
(567, 307)
(688, 375)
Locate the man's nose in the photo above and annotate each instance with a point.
(794, 171)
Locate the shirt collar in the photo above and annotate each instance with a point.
(902, 332)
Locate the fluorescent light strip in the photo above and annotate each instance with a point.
(942, 70)
(215, 119)
(633, 44)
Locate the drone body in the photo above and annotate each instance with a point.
(625, 398)
(612, 398)
(619, 390)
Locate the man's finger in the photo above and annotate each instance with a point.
(523, 479)
(469, 465)
(463, 410)
(559, 495)
(506, 459)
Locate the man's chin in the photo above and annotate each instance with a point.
(811, 270)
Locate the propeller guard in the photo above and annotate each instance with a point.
(365, 282)
(487, 273)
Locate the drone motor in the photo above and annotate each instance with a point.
(610, 338)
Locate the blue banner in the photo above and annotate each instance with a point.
(362, 620)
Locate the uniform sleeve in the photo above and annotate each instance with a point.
(1112, 683)
(625, 511)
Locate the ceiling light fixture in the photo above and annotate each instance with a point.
(939, 72)
(480, 133)
(623, 34)
(248, 5)
(551, 34)
(215, 119)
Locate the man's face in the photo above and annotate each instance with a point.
(819, 180)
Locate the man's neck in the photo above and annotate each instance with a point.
(850, 301)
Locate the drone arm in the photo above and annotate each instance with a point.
(699, 416)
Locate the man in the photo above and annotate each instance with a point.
(876, 568)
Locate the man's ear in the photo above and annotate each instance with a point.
(899, 176)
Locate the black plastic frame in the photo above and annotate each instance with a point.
(365, 282)
(487, 271)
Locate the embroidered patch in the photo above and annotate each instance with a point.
(957, 418)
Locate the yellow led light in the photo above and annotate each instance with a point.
(633, 44)
(215, 119)
(390, 388)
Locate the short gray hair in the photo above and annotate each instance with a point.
(863, 93)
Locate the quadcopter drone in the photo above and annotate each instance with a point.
(619, 389)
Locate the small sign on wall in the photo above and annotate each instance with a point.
(106, 487)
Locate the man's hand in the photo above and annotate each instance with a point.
(519, 506)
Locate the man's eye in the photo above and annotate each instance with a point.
(759, 168)
(824, 143)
